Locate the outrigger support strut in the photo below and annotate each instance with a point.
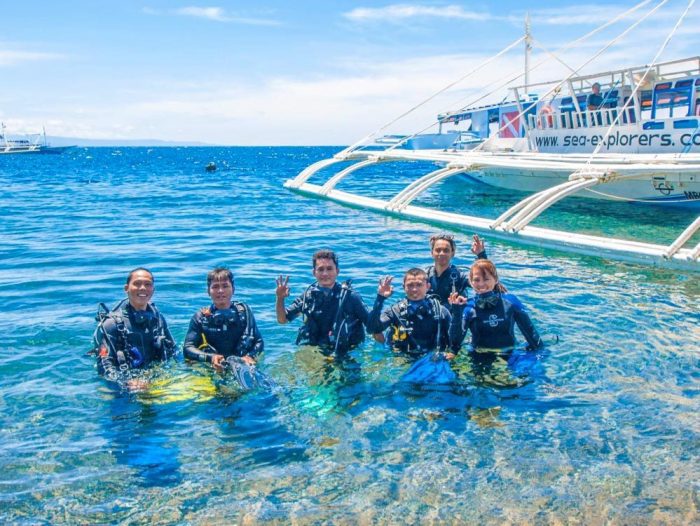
(515, 224)
(525, 211)
(682, 239)
(695, 254)
(309, 171)
(408, 194)
(333, 181)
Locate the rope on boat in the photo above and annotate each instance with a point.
(641, 81)
(483, 64)
(575, 72)
(508, 78)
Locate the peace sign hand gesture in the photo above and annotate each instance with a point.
(385, 288)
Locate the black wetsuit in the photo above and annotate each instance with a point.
(453, 279)
(326, 326)
(415, 327)
(491, 319)
(130, 339)
(229, 332)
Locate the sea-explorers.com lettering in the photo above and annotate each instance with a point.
(619, 139)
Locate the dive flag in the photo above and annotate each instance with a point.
(510, 125)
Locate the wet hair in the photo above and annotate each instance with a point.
(324, 254)
(443, 237)
(486, 266)
(417, 272)
(137, 269)
(219, 274)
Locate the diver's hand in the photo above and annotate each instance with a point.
(217, 362)
(136, 385)
(478, 245)
(448, 355)
(282, 290)
(456, 299)
(248, 360)
(385, 288)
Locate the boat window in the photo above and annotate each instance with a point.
(670, 100)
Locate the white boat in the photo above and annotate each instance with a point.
(639, 141)
(27, 144)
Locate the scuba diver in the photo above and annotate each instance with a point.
(334, 315)
(444, 277)
(491, 315)
(418, 323)
(224, 329)
(133, 334)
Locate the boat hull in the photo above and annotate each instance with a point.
(667, 189)
(51, 150)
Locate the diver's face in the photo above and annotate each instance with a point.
(221, 293)
(442, 252)
(325, 272)
(416, 287)
(140, 289)
(482, 282)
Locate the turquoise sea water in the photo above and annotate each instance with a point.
(602, 430)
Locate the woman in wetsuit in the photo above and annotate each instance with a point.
(491, 315)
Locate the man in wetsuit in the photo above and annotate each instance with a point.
(225, 328)
(418, 323)
(133, 334)
(334, 315)
(444, 277)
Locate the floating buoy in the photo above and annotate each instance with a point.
(211, 167)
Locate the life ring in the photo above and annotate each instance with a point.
(546, 114)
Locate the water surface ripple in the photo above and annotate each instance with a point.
(603, 430)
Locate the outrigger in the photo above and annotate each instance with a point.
(641, 143)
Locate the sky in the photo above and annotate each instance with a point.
(289, 73)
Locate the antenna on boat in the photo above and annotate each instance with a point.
(528, 50)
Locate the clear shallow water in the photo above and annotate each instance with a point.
(603, 429)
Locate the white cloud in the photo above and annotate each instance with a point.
(212, 13)
(12, 58)
(398, 12)
(216, 14)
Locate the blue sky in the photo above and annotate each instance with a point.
(281, 73)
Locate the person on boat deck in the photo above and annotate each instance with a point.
(225, 328)
(594, 100)
(490, 316)
(444, 277)
(133, 334)
(417, 323)
(334, 315)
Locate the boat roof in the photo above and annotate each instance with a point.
(661, 71)
(465, 113)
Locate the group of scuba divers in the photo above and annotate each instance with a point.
(434, 317)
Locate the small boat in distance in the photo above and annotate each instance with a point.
(28, 143)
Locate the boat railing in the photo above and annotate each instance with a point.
(570, 119)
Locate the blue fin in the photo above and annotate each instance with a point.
(247, 376)
(433, 368)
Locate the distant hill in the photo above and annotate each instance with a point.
(77, 141)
